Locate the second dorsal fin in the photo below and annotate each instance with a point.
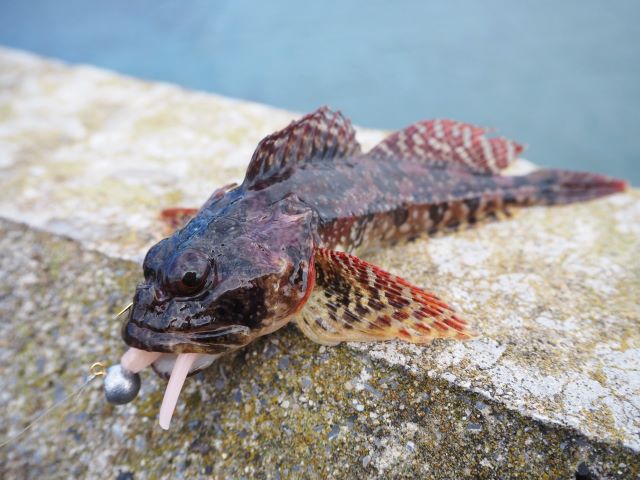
(444, 143)
(319, 136)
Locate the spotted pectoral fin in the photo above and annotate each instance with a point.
(356, 301)
(321, 136)
(447, 142)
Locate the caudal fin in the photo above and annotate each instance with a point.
(554, 187)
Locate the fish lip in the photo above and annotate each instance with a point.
(150, 340)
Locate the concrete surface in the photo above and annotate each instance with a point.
(88, 159)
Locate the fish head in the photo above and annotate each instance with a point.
(240, 269)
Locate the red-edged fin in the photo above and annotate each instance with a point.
(177, 217)
(446, 142)
(319, 136)
(356, 301)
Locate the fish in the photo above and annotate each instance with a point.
(287, 244)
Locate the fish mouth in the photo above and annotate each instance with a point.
(176, 366)
(176, 355)
(206, 341)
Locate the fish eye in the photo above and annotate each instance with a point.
(188, 273)
(191, 279)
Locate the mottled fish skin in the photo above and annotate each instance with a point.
(280, 246)
(367, 204)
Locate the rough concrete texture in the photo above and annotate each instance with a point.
(88, 158)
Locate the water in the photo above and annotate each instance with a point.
(562, 77)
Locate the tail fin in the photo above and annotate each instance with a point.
(556, 187)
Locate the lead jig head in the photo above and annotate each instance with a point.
(121, 385)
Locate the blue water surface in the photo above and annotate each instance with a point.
(560, 76)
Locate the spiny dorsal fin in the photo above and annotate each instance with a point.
(356, 301)
(319, 136)
(443, 143)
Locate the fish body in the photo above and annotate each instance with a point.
(282, 246)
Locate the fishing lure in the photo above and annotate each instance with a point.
(282, 246)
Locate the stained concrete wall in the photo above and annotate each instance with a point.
(89, 158)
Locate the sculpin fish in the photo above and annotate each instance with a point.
(282, 246)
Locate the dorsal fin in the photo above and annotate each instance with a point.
(319, 136)
(444, 143)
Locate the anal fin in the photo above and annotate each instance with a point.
(356, 301)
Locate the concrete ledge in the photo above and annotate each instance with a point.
(552, 387)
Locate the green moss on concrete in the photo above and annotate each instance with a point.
(281, 408)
